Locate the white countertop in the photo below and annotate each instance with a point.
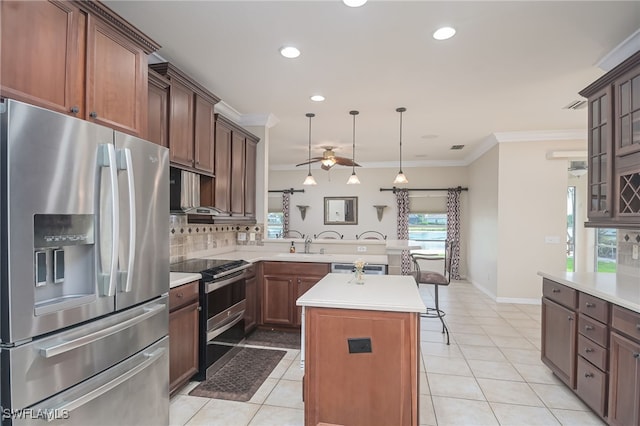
(179, 278)
(395, 293)
(622, 290)
(257, 256)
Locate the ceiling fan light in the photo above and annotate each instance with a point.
(400, 178)
(310, 180)
(353, 179)
(329, 162)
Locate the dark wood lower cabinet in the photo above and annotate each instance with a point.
(183, 335)
(559, 332)
(591, 386)
(624, 389)
(283, 283)
(251, 300)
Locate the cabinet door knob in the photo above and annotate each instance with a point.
(638, 326)
(588, 327)
(179, 294)
(636, 355)
(588, 375)
(588, 350)
(93, 114)
(606, 211)
(591, 305)
(570, 318)
(555, 290)
(74, 110)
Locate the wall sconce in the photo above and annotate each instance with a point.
(303, 211)
(380, 209)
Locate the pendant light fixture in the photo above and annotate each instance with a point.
(353, 179)
(401, 178)
(310, 180)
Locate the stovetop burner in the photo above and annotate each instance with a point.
(209, 268)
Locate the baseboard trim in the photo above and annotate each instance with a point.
(484, 290)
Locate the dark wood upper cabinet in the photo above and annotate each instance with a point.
(190, 121)
(614, 147)
(158, 104)
(235, 170)
(77, 58)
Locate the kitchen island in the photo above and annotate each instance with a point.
(360, 350)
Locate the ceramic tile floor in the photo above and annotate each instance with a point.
(491, 374)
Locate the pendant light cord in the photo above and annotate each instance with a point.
(310, 115)
(353, 165)
(401, 110)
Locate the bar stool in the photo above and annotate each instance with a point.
(434, 278)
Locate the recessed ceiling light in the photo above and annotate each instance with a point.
(289, 52)
(354, 3)
(444, 33)
(317, 98)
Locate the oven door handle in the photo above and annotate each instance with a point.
(230, 322)
(212, 286)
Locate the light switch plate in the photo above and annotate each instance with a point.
(634, 252)
(252, 236)
(552, 239)
(242, 236)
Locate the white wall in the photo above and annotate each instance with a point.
(483, 222)
(584, 242)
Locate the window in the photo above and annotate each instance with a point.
(430, 230)
(606, 250)
(275, 223)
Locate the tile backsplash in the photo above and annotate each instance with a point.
(187, 240)
(627, 239)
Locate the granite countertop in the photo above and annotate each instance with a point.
(378, 293)
(621, 290)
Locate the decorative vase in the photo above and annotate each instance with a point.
(359, 275)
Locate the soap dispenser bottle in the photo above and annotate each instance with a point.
(292, 249)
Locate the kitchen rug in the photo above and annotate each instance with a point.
(241, 377)
(274, 339)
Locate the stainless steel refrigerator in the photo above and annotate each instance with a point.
(84, 272)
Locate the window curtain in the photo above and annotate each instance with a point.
(402, 200)
(285, 214)
(453, 229)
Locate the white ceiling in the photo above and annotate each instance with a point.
(511, 67)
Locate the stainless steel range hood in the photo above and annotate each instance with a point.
(185, 194)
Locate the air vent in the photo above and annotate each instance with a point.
(456, 147)
(575, 105)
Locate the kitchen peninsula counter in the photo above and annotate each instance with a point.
(360, 350)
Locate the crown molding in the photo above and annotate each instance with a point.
(482, 148)
(227, 111)
(621, 52)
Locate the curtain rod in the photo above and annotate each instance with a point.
(290, 191)
(394, 189)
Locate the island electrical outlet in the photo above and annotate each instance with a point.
(359, 345)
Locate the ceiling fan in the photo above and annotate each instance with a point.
(329, 159)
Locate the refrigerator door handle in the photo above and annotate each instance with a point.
(125, 163)
(107, 158)
(64, 347)
(101, 390)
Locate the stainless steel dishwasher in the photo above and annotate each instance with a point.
(369, 269)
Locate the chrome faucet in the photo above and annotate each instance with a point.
(307, 244)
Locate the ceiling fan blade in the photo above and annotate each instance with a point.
(345, 162)
(313, 160)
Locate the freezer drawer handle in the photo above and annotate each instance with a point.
(101, 390)
(125, 163)
(61, 348)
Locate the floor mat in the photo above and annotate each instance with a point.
(274, 338)
(241, 377)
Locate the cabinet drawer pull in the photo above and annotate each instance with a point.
(591, 305)
(588, 350)
(637, 326)
(588, 327)
(555, 290)
(570, 318)
(179, 295)
(93, 114)
(74, 110)
(606, 212)
(588, 375)
(636, 355)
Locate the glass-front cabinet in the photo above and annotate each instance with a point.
(614, 147)
(600, 154)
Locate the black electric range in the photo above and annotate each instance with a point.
(210, 269)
